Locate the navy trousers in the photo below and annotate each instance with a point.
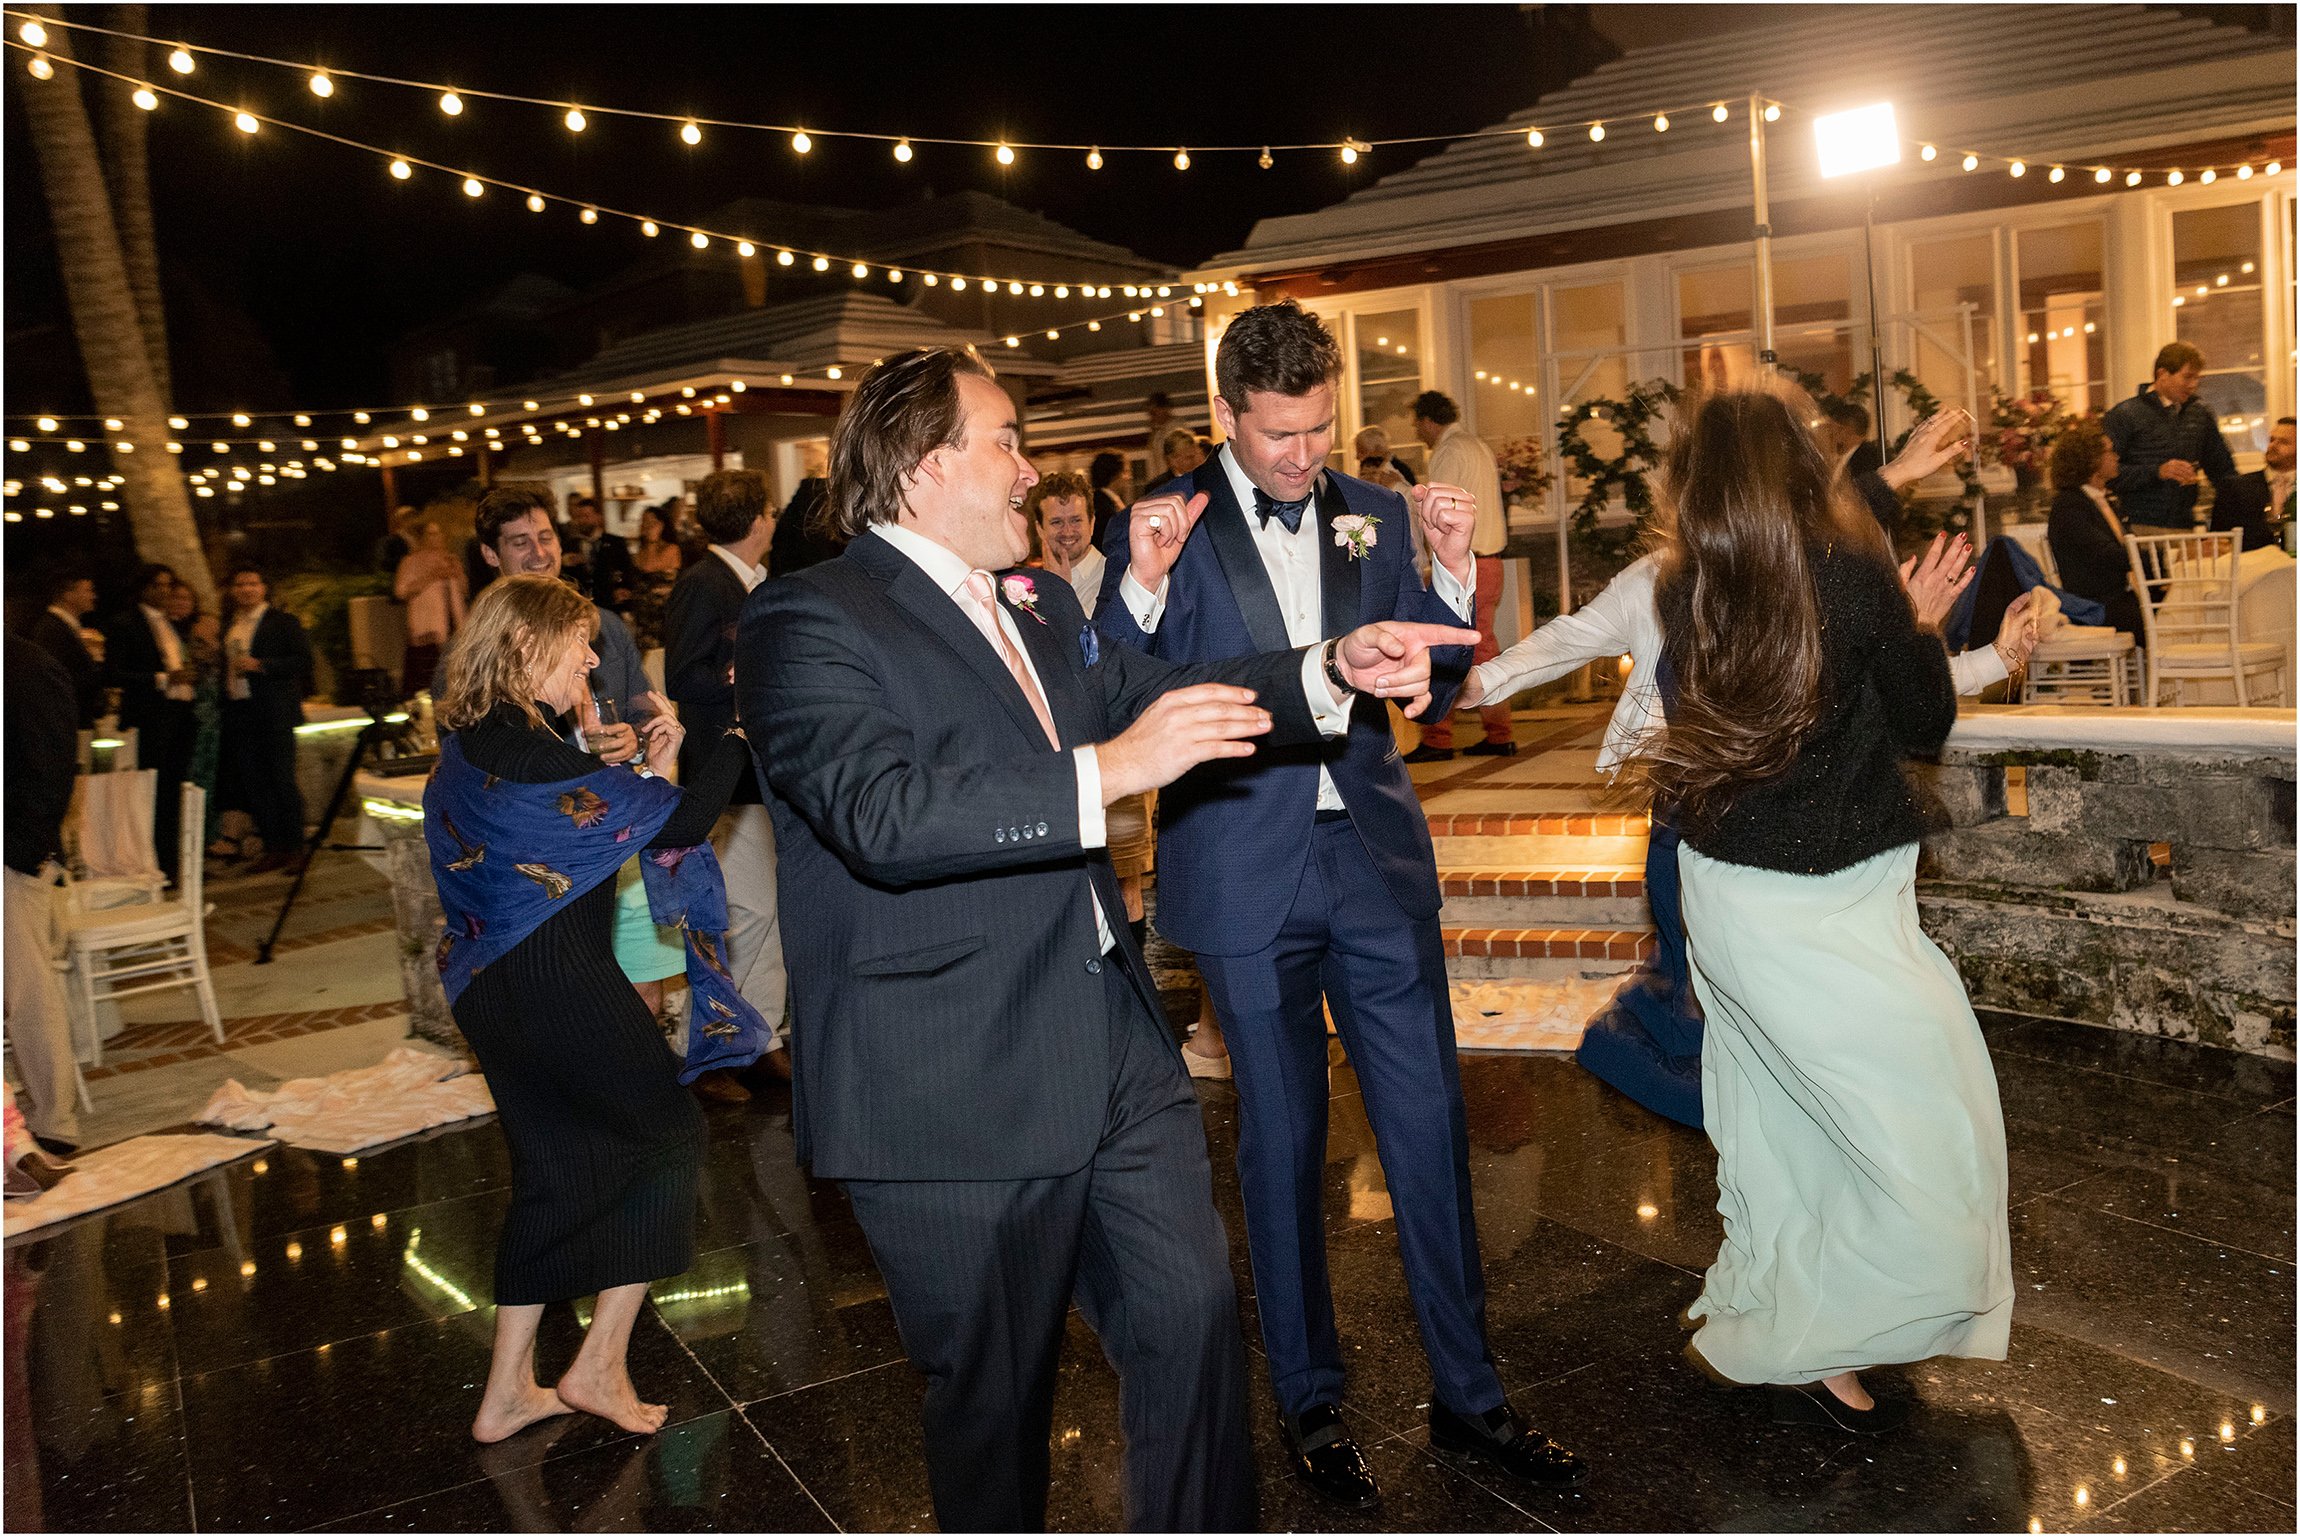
(1346, 941)
(1647, 1041)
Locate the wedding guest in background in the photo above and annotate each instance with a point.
(1861, 1167)
(433, 586)
(699, 674)
(1851, 450)
(605, 1146)
(656, 561)
(41, 751)
(60, 629)
(2083, 528)
(1373, 444)
(267, 673)
(2259, 503)
(147, 663)
(1183, 455)
(1459, 457)
(398, 541)
(1060, 508)
(1107, 473)
(203, 643)
(597, 562)
(803, 537)
(1158, 422)
(2166, 441)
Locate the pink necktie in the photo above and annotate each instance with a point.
(979, 588)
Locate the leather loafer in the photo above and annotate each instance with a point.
(1811, 1403)
(1430, 755)
(1323, 1456)
(1502, 1441)
(1490, 750)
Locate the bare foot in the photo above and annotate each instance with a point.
(498, 1421)
(1847, 1387)
(612, 1398)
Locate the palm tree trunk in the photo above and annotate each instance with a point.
(127, 175)
(105, 318)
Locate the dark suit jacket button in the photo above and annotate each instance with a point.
(1042, 829)
(1000, 834)
(1094, 968)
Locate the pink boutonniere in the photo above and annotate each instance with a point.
(1022, 593)
(1355, 533)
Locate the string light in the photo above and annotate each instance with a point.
(589, 216)
(784, 258)
(1719, 113)
(860, 270)
(800, 143)
(34, 35)
(2276, 168)
(2017, 169)
(649, 228)
(902, 151)
(402, 170)
(244, 122)
(1533, 138)
(181, 61)
(691, 133)
(2057, 175)
(2132, 178)
(321, 85)
(1928, 153)
(745, 249)
(146, 98)
(1597, 133)
(534, 202)
(40, 68)
(1661, 122)
(1094, 158)
(699, 241)
(2208, 176)
(575, 120)
(1181, 160)
(1772, 112)
(1972, 162)
(472, 186)
(1349, 154)
(1005, 154)
(2102, 175)
(451, 104)
(2244, 173)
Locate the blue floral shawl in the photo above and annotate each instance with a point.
(506, 856)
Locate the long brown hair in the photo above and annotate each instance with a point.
(512, 633)
(1752, 502)
(905, 408)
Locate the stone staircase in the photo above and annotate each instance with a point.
(1543, 870)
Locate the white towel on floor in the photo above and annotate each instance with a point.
(410, 1090)
(1535, 1014)
(124, 1171)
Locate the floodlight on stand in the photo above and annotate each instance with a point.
(1860, 140)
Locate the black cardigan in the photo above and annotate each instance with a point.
(1886, 693)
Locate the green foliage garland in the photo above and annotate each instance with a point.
(1632, 417)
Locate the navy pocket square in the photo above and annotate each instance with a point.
(1090, 643)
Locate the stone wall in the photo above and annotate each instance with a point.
(2142, 887)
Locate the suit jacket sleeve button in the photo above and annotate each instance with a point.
(1042, 829)
(1000, 834)
(1094, 968)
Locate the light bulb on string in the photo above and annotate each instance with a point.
(1971, 162)
(473, 186)
(2057, 175)
(902, 151)
(451, 104)
(181, 61)
(1772, 112)
(1181, 160)
(401, 170)
(1038, 290)
(2208, 176)
(929, 279)
(245, 122)
(575, 120)
(1719, 113)
(321, 85)
(784, 258)
(2244, 173)
(822, 264)
(894, 274)
(240, 419)
(958, 285)
(40, 68)
(2102, 175)
(1927, 152)
(691, 133)
(861, 271)
(800, 143)
(2275, 168)
(2173, 178)
(745, 249)
(146, 98)
(589, 216)
(1349, 154)
(1265, 162)
(2132, 178)
(2017, 169)
(1597, 133)
(699, 241)
(650, 228)
(33, 34)
(1094, 158)
(1533, 138)
(1004, 154)
(535, 202)
(1661, 122)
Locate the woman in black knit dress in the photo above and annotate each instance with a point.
(604, 1143)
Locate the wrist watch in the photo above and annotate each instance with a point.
(1333, 669)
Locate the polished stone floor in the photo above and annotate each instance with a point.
(298, 1341)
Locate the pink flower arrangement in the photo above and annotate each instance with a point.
(1524, 474)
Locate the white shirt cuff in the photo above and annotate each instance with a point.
(1093, 828)
(1330, 710)
(1146, 607)
(1462, 600)
(1976, 669)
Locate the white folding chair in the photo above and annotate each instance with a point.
(2082, 664)
(2187, 587)
(120, 952)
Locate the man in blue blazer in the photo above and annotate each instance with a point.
(1303, 878)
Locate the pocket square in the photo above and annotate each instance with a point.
(1090, 643)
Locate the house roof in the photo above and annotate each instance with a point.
(803, 334)
(2049, 82)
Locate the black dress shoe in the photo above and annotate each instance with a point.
(1500, 1440)
(1490, 750)
(1323, 1456)
(1811, 1403)
(56, 1145)
(1430, 755)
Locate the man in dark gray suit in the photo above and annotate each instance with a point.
(979, 1052)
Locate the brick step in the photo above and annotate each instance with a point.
(1543, 851)
(1543, 952)
(1551, 897)
(1503, 824)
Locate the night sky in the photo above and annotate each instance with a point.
(304, 261)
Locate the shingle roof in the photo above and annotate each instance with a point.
(2046, 81)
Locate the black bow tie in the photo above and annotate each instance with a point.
(1267, 507)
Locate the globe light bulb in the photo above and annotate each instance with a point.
(1927, 152)
(902, 151)
(33, 34)
(1349, 154)
(1094, 158)
(2017, 169)
(145, 97)
(691, 132)
(1182, 160)
(534, 202)
(1718, 113)
(473, 186)
(589, 216)
(245, 122)
(451, 104)
(181, 61)
(800, 143)
(1004, 155)
(40, 68)
(1597, 133)
(321, 85)
(745, 249)
(650, 228)
(575, 120)
(1661, 122)
(401, 170)
(699, 241)
(1533, 138)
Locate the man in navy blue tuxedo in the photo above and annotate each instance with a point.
(1303, 878)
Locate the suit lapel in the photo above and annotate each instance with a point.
(1224, 525)
(1338, 575)
(1057, 660)
(939, 612)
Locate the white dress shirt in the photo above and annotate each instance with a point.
(1086, 579)
(1460, 458)
(1292, 561)
(750, 575)
(949, 573)
(171, 654)
(237, 640)
(1622, 621)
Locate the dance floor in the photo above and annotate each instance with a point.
(299, 1342)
